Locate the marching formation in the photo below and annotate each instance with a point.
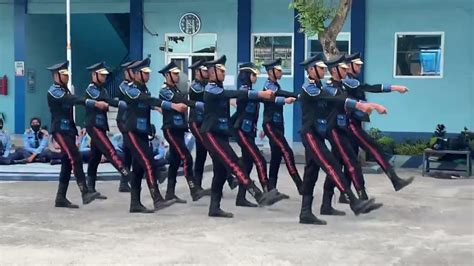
(332, 111)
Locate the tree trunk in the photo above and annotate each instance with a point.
(329, 35)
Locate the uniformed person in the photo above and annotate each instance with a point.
(138, 128)
(317, 105)
(352, 135)
(244, 122)
(35, 141)
(61, 102)
(273, 126)
(216, 132)
(127, 156)
(338, 132)
(360, 138)
(196, 116)
(7, 154)
(174, 127)
(97, 126)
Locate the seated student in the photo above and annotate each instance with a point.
(54, 152)
(83, 142)
(35, 140)
(159, 152)
(189, 141)
(8, 155)
(156, 144)
(117, 142)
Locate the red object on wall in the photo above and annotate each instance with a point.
(4, 85)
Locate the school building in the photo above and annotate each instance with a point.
(423, 44)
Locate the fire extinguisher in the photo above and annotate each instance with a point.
(4, 85)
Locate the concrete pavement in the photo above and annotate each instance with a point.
(430, 222)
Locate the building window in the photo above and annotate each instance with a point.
(343, 44)
(268, 47)
(186, 50)
(419, 54)
(203, 43)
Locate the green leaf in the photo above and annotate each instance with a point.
(312, 14)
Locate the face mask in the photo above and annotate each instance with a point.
(36, 128)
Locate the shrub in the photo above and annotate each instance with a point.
(411, 148)
(387, 144)
(375, 133)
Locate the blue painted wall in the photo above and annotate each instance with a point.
(447, 100)
(78, 6)
(93, 40)
(7, 62)
(417, 111)
(274, 16)
(43, 48)
(282, 22)
(162, 17)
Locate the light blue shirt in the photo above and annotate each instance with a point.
(29, 142)
(117, 141)
(85, 143)
(6, 142)
(159, 150)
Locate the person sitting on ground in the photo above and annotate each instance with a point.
(35, 140)
(83, 142)
(8, 155)
(117, 142)
(157, 146)
(190, 142)
(54, 152)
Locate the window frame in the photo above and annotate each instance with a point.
(274, 34)
(169, 55)
(315, 37)
(190, 52)
(441, 67)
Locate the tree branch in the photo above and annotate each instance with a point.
(338, 21)
(329, 35)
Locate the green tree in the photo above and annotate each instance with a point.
(313, 16)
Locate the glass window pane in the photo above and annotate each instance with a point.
(342, 43)
(418, 55)
(204, 43)
(179, 44)
(268, 48)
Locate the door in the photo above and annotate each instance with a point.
(183, 63)
(196, 58)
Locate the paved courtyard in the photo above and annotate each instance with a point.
(430, 222)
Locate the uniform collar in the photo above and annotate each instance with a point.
(96, 85)
(216, 83)
(140, 86)
(274, 82)
(170, 86)
(57, 85)
(351, 76)
(335, 82)
(202, 82)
